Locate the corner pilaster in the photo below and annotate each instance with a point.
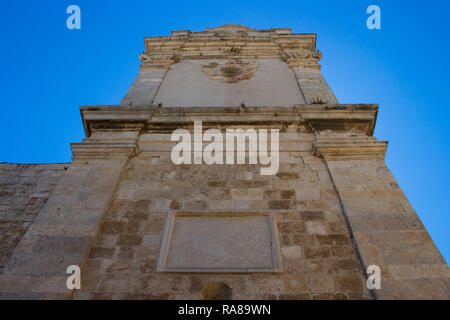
(386, 230)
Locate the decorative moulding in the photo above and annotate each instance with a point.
(357, 118)
(230, 70)
(350, 150)
(220, 243)
(103, 150)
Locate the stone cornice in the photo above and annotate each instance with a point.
(91, 150)
(231, 41)
(133, 115)
(358, 119)
(350, 150)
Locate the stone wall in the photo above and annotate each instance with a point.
(319, 259)
(389, 233)
(337, 210)
(24, 189)
(287, 71)
(60, 234)
(194, 88)
(314, 87)
(144, 88)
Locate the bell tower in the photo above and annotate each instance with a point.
(140, 225)
(256, 67)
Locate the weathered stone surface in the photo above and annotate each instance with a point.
(334, 206)
(24, 190)
(294, 252)
(216, 291)
(221, 243)
(388, 232)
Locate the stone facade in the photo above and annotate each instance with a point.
(333, 208)
(24, 190)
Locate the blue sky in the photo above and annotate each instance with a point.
(48, 71)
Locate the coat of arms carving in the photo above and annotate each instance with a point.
(230, 71)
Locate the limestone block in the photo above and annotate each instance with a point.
(296, 284)
(349, 283)
(400, 272)
(294, 252)
(247, 194)
(315, 227)
(219, 205)
(387, 234)
(321, 283)
(144, 88)
(433, 270)
(414, 289)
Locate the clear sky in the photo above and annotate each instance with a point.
(48, 71)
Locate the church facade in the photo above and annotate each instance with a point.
(141, 225)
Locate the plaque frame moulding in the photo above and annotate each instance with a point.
(168, 233)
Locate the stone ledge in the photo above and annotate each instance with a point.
(134, 115)
(340, 117)
(104, 150)
(358, 118)
(350, 150)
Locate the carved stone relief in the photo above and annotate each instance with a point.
(230, 71)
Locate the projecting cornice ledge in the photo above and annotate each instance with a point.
(339, 118)
(132, 116)
(101, 150)
(324, 120)
(344, 150)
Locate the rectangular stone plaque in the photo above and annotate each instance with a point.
(219, 243)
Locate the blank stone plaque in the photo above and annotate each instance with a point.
(219, 243)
